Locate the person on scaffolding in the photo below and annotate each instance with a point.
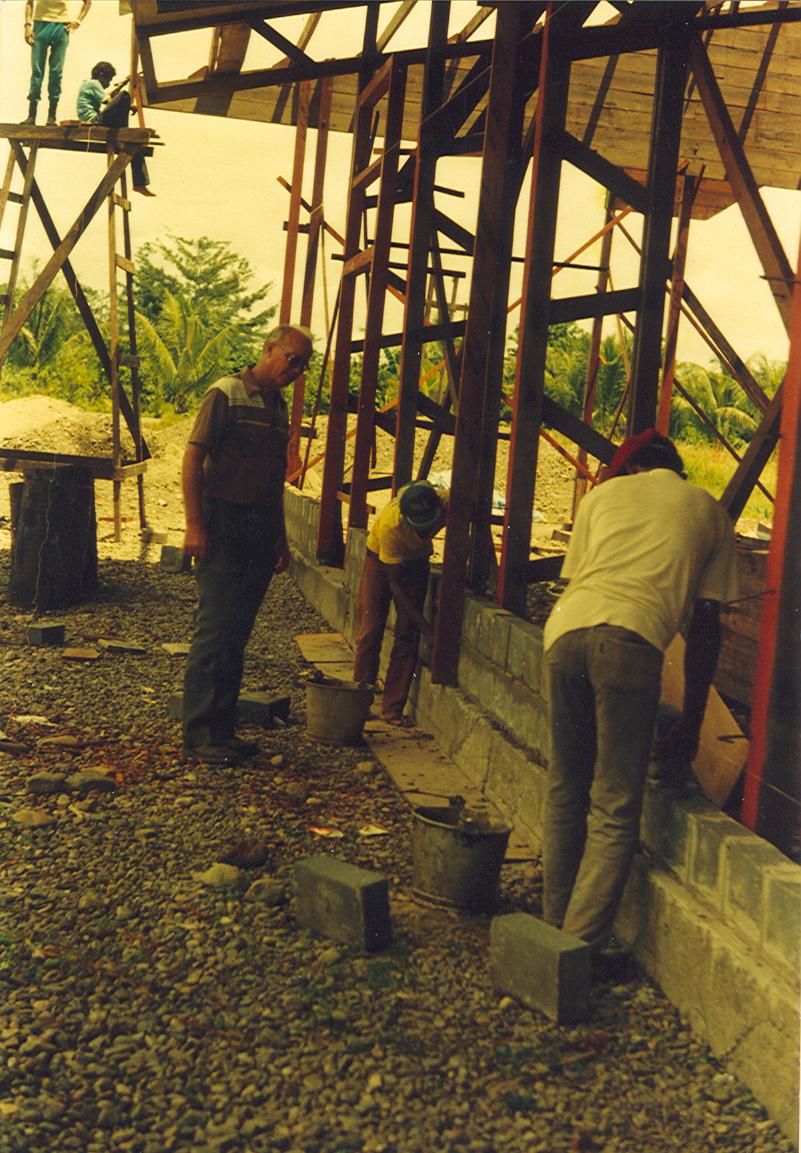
(95, 107)
(48, 24)
(396, 569)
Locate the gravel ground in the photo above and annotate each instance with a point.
(143, 1010)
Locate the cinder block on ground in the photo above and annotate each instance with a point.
(45, 634)
(253, 708)
(262, 709)
(344, 902)
(174, 559)
(545, 968)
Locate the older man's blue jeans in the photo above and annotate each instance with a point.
(604, 685)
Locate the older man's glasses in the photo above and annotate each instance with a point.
(301, 363)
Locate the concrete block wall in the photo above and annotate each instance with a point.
(712, 912)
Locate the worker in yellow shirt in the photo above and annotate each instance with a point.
(396, 570)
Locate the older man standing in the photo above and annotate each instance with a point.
(233, 481)
(649, 552)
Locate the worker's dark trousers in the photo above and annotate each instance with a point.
(232, 581)
(373, 607)
(115, 115)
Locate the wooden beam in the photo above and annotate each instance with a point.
(625, 187)
(493, 239)
(380, 250)
(671, 73)
(403, 11)
(34, 294)
(756, 456)
(766, 241)
(689, 186)
(272, 36)
(527, 407)
(191, 88)
(81, 301)
(421, 236)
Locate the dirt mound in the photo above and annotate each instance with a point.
(47, 424)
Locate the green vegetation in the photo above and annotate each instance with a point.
(197, 318)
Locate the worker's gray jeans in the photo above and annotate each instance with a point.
(604, 687)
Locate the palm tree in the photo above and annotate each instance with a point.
(184, 360)
(723, 402)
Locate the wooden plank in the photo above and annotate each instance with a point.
(56, 261)
(296, 190)
(723, 748)
(493, 239)
(527, 411)
(274, 37)
(756, 456)
(738, 172)
(421, 236)
(376, 298)
(79, 296)
(19, 235)
(124, 263)
(662, 166)
(688, 189)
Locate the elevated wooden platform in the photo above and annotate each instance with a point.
(80, 137)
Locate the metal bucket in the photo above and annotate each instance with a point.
(336, 711)
(457, 861)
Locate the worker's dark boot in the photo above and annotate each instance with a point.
(51, 112)
(31, 117)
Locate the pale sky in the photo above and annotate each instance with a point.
(218, 178)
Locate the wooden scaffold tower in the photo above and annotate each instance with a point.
(53, 520)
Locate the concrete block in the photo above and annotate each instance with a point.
(745, 867)
(545, 968)
(525, 656)
(262, 709)
(516, 784)
(253, 708)
(665, 826)
(711, 830)
(782, 929)
(343, 901)
(45, 633)
(174, 559)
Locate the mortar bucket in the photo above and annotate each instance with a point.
(456, 861)
(336, 711)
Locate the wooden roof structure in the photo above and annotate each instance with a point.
(674, 108)
(610, 96)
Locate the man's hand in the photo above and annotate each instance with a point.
(680, 742)
(29, 35)
(282, 558)
(74, 25)
(196, 541)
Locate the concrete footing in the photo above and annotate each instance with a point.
(545, 968)
(344, 902)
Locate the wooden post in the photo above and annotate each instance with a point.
(114, 348)
(530, 378)
(504, 121)
(421, 233)
(772, 799)
(689, 186)
(671, 73)
(290, 256)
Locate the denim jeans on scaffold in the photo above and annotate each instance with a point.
(604, 685)
(53, 37)
(232, 581)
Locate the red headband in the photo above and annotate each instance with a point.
(629, 448)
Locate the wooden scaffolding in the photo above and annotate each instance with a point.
(674, 109)
(119, 145)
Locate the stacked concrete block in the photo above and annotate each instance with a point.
(545, 968)
(344, 902)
